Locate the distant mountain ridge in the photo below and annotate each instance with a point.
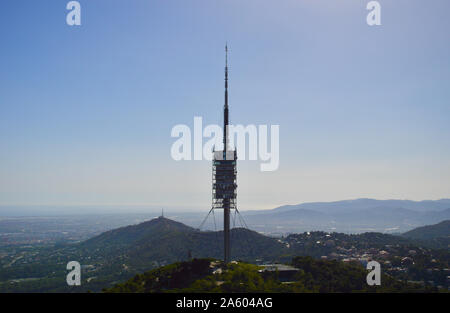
(350, 216)
(367, 203)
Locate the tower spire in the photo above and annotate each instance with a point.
(225, 109)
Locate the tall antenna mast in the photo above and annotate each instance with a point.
(225, 108)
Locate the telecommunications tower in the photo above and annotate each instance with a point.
(224, 175)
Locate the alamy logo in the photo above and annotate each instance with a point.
(74, 276)
(374, 16)
(374, 276)
(74, 16)
(188, 148)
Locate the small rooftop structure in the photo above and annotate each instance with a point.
(285, 272)
(278, 267)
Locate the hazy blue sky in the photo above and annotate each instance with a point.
(86, 112)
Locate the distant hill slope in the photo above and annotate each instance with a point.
(162, 240)
(131, 234)
(118, 254)
(439, 230)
